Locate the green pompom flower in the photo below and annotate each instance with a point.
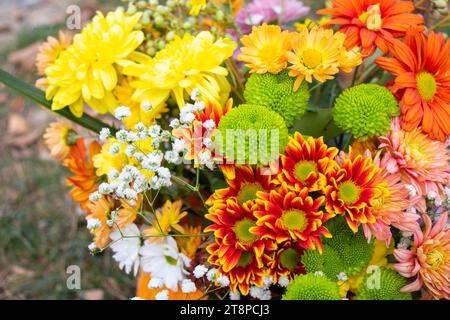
(248, 132)
(275, 91)
(365, 110)
(344, 252)
(312, 287)
(382, 284)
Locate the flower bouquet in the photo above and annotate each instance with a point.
(259, 150)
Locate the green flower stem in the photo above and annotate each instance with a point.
(38, 96)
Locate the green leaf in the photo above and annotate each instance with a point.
(317, 122)
(38, 96)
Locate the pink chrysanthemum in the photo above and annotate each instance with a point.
(429, 259)
(389, 207)
(421, 161)
(259, 11)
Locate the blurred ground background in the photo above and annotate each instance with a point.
(42, 231)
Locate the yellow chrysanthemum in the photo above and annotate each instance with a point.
(58, 137)
(166, 219)
(106, 160)
(123, 93)
(310, 24)
(321, 54)
(86, 70)
(265, 49)
(185, 64)
(196, 6)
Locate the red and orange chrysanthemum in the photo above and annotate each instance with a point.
(369, 23)
(286, 261)
(238, 252)
(352, 187)
(84, 180)
(422, 82)
(243, 183)
(194, 136)
(284, 214)
(306, 163)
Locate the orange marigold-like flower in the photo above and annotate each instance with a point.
(369, 23)
(237, 251)
(285, 215)
(84, 180)
(106, 208)
(59, 137)
(422, 84)
(244, 183)
(306, 162)
(265, 49)
(351, 189)
(429, 259)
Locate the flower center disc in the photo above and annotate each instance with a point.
(248, 192)
(294, 220)
(426, 85)
(349, 192)
(372, 17)
(435, 258)
(312, 58)
(303, 168)
(242, 230)
(289, 259)
(245, 259)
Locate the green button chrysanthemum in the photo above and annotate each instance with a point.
(382, 284)
(365, 110)
(312, 287)
(344, 252)
(252, 134)
(275, 91)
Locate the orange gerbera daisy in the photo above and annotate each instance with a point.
(265, 49)
(351, 189)
(59, 137)
(285, 215)
(422, 84)
(84, 180)
(194, 136)
(369, 23)
(306, 163)
(106, 208)
(244, 183)
(238, 252)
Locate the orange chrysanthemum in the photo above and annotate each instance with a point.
(84, 180)
(265, 49)
(422, 84)
(351, 189)
(49, 51)
(369, 23)
(238, 253)
(195, 135)
(102, 210)
(244, 183)
(285, 215)
(306, 163)
(59, 137)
